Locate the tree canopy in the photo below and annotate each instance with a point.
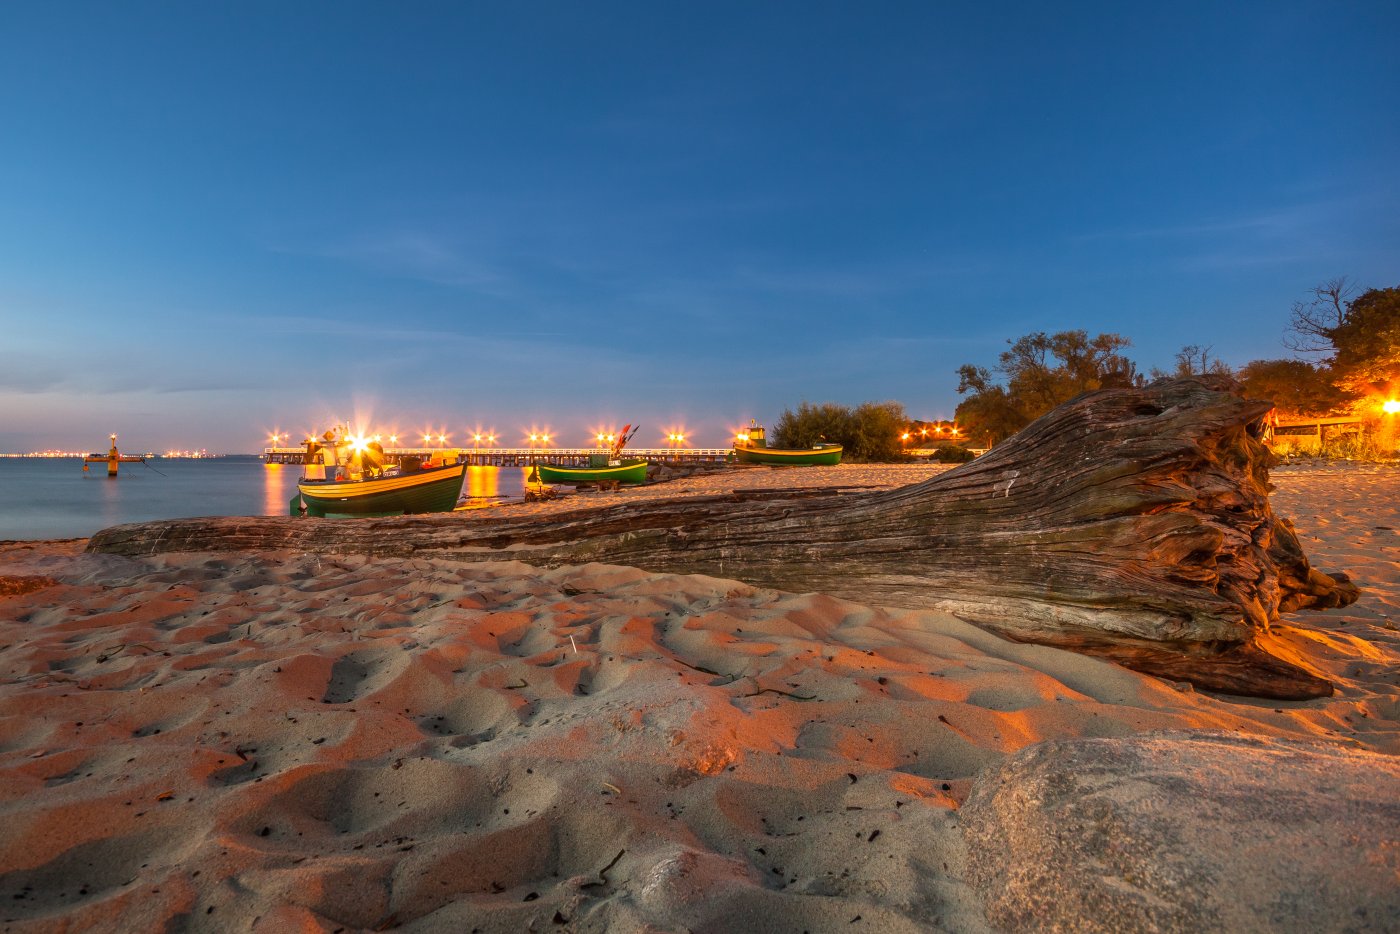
(1042, 371)
(869, 432)
(1295, 387)
(1366, 344)
(1358, 332)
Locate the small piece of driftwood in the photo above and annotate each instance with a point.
(1129, 523)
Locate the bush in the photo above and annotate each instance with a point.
(951, 454)
(869, 433)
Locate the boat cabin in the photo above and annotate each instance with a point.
(753, 436)
(334, 456)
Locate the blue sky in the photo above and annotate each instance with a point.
(221, 219)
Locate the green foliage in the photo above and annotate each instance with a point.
(814, 424)
(1366, 344)
(1041, 371)
(878, 427)
(990, 416)
(1295, 387)
(952, 454)
(869, 432)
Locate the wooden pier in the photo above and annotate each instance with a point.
(523, 457)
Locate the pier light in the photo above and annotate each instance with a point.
(427, 439)
(1391, 406)
(393, 439)
(442, 439)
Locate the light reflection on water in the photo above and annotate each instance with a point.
(280, 485)
(54, 498)
(490, 486)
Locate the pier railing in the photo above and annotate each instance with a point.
(523, 457)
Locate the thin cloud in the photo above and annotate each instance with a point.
(1268, 224)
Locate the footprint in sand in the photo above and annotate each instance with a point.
(363, 672)
(87, 871)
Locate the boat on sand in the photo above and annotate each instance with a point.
(751, 447)
(603, 467)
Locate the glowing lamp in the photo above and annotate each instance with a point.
(1391, 406)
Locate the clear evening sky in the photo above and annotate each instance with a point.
(217, 219)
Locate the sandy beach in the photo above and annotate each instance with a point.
(292, 742)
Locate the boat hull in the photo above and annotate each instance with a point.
(628, 472)
(434, 490)
(825, 456)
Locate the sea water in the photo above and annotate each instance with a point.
(53, 497)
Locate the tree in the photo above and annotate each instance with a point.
(1295, 387)
(813, 424)
(1366, 344)
(1195, 360)
(870, 432)
(878, 429)
(989, 416)
(1042, 371)
(1312, 321)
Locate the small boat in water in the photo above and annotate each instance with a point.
(348, 476)
(752, 448)
(602, 468)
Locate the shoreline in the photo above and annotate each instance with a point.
(291, 741)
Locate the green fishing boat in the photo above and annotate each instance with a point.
(627, 471)
(603, 467)
(434, 489)
(751, 447)
(345, 476)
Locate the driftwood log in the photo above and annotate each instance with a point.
(1128, 523)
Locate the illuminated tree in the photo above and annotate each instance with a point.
(1366, 344)
(1295, 387)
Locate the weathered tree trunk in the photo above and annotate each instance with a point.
(1130, 523)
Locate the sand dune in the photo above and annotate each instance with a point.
(293, 742)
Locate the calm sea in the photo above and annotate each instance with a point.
(51, 497)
